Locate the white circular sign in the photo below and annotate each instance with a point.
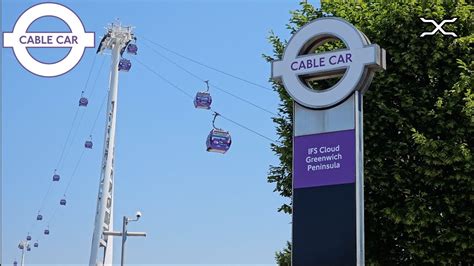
(358, 61)
(20, 39)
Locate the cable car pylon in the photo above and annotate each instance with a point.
(24, 246)
(115, 39)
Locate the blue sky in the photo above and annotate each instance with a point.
(198, 207)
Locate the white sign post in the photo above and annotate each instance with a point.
(328, 200)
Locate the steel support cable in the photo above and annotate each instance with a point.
(53, 216)
(77, 163)
(164, 79)
(44, 198)
(91, 94)
(244, 100)
(82, 116)
(245, 127)
(43, 201)
(73, 174)
(62, 158)
(73, 139)
(207, 66)
(90, 73)
(189, 95)
(211, 84)
(67, 138)
(72, 126)
(62, 155)
(75, 115)
(74, 171)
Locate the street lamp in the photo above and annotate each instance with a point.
(124, 234)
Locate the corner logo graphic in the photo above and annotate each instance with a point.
(20, 39)
(438, 27)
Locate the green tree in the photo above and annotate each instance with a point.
(418, 131)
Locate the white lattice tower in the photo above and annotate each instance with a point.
(115, 39)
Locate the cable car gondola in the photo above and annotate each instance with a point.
(36, 244)
(218, 140)
(83, 101)
(15, 263)
(132, 49)
(203, 99)
(124, 65)
(28, 248)
(46, 231)
(28, 237)
(88, 144)
(39, 217)
(56, 177)
(62, 202)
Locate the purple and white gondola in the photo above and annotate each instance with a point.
(132, 49)
(124, 65)
(203, 100)
(218, 141)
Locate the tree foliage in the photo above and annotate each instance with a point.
(418, 131)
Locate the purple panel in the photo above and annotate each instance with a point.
(324, 159)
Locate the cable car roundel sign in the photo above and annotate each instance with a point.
(20, 39)
(328, 166)
(356, 63)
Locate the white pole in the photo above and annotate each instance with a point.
(23, 251)
(125, 234)
(106, 186)
(124, 238)
(22, 263)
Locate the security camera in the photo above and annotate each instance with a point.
(139, 214)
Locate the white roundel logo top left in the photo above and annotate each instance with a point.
(20, 39)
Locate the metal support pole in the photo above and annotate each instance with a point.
(106, 178)
(115, 40)
(125, 234)
(25, 245)
(124, 238)
(22, 262)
